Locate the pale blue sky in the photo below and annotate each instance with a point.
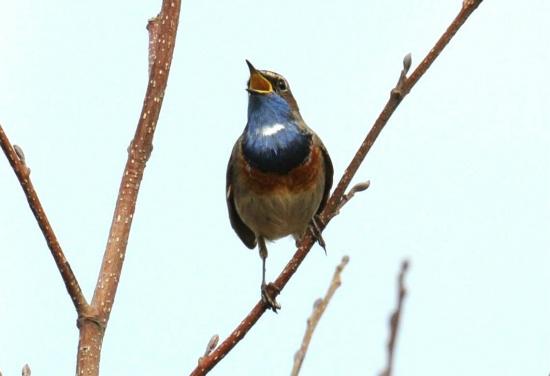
(460, 185)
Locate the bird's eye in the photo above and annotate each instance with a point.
(281, 85)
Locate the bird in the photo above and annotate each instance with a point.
(279, 174)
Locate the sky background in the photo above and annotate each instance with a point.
(460, 186)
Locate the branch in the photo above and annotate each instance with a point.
(318, 310)
(397, 94)
(404, 86)
(17, 161)
(395, 317)
(162, 37)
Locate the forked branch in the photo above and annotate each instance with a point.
(405, 84)
(93, 318)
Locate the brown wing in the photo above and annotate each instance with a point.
(329, 172)
(242, 230)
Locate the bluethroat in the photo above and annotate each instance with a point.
(279, 175)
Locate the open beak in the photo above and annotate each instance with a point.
(258, 83)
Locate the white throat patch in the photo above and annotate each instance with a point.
(272, 129)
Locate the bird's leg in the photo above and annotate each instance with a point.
(269, 291)
(315, 229)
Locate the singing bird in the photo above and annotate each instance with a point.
(279, 175)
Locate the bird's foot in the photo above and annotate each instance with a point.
(315, 228)
(269, 293)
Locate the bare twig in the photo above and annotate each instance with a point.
(403, 88)
(162, 38)
(17, 161)
(318, 310)
(359, 187)
(208, 362)
(395, 319)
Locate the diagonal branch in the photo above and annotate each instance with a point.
(318, 310)
(17, 161)
(404, 86)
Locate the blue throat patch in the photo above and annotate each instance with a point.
(272, 140)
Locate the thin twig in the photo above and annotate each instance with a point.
(318, 310)
(17, 161)
(395, 319)
(333, 204)
(359, 187)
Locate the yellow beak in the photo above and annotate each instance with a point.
(258, 83)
